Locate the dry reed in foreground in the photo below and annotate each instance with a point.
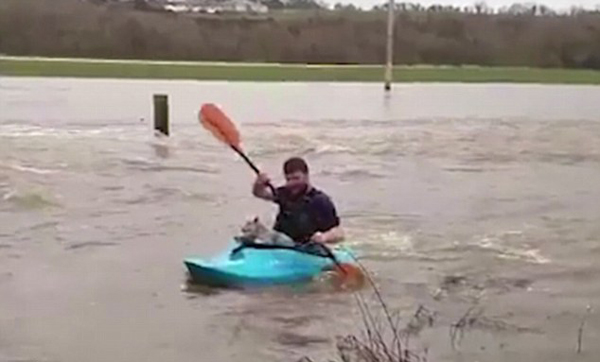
(383, 338)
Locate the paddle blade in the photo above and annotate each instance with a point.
(213, 119)
(349, 271)
(346, 276)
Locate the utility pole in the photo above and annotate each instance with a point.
(390, 46)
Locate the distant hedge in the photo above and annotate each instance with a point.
(72, 28)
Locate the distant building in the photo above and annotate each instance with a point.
(211, 6)
(177, 6)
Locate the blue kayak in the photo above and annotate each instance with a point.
(243, 266)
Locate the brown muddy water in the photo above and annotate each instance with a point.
(480, 198)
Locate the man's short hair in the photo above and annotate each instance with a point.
(295, 164)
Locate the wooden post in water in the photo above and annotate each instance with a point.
(161, 114)
(390, 47)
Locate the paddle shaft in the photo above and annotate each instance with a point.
(252, 165)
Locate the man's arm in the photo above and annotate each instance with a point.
(261, 189)
(334, 235)
(330, 223)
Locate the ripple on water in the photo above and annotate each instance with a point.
(300, 340)
(476, 286)
(502, 245)
(17, 130)
(159, 194)
(347, 173)
(145, 165)
(393, 245)
(89, 244)
(44, 225)
(29, 200)
(482, 144)
(28, 169)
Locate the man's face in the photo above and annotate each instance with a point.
(296, 182)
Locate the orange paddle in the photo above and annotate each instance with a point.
(217, 122)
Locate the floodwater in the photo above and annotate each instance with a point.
(480, 203)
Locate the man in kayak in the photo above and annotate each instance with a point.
(305, 213)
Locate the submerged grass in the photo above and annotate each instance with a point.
(43, 67)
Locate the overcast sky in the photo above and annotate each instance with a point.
(554, 4)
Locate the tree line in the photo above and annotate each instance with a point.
(72, 28)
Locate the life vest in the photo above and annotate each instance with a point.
(297, 218)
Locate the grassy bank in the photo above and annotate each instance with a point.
(277, 72)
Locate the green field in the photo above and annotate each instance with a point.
(277, 72)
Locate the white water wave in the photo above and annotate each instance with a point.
(28, 169)
(15, 131)
(504, 251)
